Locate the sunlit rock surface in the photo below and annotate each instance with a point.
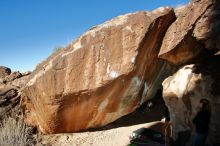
(103, 75)
(180, 43)
(207, 28)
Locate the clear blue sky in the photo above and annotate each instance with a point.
(31, 29)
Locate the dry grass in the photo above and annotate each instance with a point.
(14, 133)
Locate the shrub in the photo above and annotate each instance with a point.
(14, 133)
(57, 49)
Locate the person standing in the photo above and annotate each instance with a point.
(167, 127)
(201, 122)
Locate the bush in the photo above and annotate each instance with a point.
(57, 49)
(14, 133)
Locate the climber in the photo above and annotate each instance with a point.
(167, 127)
(201, 122)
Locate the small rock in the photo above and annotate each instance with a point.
(13, 76)
(4, 71)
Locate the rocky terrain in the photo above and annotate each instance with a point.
(112, 137)
(13, 130)
(114, 68)
(11, 85)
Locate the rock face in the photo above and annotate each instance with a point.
(207, 28)
(180, 43)
(193, 40)
(103, 75)
(183, 91)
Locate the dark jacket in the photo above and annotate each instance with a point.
(167, 114)
(201, 121)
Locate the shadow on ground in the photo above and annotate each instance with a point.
(143, 114)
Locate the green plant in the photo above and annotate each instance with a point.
(57, 49)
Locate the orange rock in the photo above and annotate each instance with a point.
(207, 28)
(103, 75)
(179, 44)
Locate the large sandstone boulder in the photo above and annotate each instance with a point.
(183, 91)
(207, 28)
(103, 75)
(180, 43)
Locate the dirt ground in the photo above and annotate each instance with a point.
(114, 134)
